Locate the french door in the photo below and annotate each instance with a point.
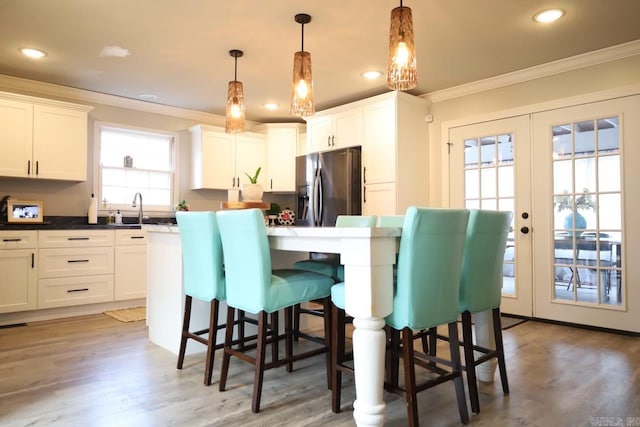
(490, 169)
(570, 177)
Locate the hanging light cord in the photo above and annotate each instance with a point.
(302, 47)
(235, 72)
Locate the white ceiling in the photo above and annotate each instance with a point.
(179, 49)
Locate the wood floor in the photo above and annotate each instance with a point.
(96, 371)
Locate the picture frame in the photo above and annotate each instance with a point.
(24, 211)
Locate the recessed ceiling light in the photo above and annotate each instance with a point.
(147, 96)
(548, 16)
(371, 75)
(271, 106)
(32, 53)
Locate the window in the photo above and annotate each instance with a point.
(133, 160)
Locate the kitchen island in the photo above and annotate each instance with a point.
(368, 255)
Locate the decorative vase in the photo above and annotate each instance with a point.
(580, 223)
(251, 192)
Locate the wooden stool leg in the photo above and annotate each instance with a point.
(497, 330)
(211, 342)
(228, 340)
(454, 347)
(260, 362)
(410, 377)
(469, 362)
(185, 330)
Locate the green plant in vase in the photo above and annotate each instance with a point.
(252, 192)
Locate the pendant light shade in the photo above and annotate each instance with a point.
(235, 122)
(402, 73)
(302, 103)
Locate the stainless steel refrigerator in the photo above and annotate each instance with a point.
(327, 185)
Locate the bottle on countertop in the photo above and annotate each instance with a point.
(118, 217)
(92, 215)
(111, 218)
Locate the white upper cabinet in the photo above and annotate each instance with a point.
(42, 139)
(282, 146)
(394, 154)
(335, 128)
(220, 160)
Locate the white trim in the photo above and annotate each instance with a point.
(556, 67)
(36, 100)
(16, 83)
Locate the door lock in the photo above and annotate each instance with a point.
(524, 230)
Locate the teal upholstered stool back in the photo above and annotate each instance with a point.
(247, 259)
(356, 221)
(391, 221)
(429, 265)
(482, 266)
(203, 273)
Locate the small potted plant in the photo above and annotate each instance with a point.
(252, 192)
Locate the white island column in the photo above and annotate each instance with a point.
(369, 299)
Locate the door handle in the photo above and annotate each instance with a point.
(524, 230)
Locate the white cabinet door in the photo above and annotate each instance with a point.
(281, 159)
(379, 199)
(18, 281)
(220, 160)
(251, 153)
(347, 129)
(59, 143)
(213, 164)
(130, 272)
(130, 279)
(319, 132)
(16, 135)
(335, 130)
(380, 143)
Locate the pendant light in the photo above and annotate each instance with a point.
(401, 69)
(302, 103)
(235, 100)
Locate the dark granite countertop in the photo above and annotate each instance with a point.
(80, 223)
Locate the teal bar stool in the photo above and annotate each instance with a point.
(252, 286)
(329, 266)
(480, 290)
(203, 278)
(429, 262)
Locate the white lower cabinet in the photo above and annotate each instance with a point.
(130, 264)
(18, 278)
(75, 267)
(379, 199)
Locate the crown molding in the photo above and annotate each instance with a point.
(544, 70)
(33, 87)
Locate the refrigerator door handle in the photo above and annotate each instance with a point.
(314, 198)
(320, 199)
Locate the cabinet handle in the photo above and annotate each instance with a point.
(333, 140)
(28, 167)
(77, 260)
(37, 167)
(272, 183)
(12, 240)
(329, 141)
(364, 175)
(137, 237)
(364, 194)
(70, 291)
(77, 238)
(33, 260)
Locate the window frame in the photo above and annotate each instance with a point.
(152, 210)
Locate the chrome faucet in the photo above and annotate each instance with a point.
(133, 205)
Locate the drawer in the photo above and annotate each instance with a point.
(75, 238)
(74, 291)
(18, 239)
(72, 262)
(131, 237)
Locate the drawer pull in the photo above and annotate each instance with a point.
(78, 260)
(12, 240)
(77, 238)
(70, 291)
(137, 237)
